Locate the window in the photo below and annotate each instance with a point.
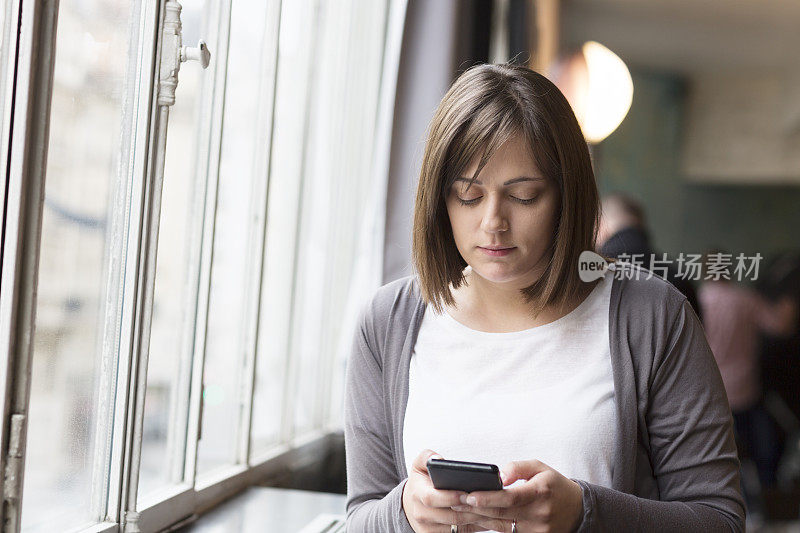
(200, 264)
(81, 275)
(239, 234)
(169, 368)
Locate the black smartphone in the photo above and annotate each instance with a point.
(464, 475)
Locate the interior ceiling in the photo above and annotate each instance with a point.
(690, 36)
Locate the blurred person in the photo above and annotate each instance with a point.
(495, 350)
(623, 231)
(781, 353)
(734, 316)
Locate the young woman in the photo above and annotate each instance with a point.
(600, 401)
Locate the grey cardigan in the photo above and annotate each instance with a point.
(675, 466)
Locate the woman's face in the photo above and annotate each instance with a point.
(511, 205)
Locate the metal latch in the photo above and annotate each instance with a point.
(12, 482)
(14, 458)
(173, 53)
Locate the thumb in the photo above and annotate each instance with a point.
(516, 470)
(420, 464)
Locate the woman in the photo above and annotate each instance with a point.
(600, 401)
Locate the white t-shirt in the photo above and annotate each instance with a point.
(544, 393)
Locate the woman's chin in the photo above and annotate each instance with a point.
(496, 273)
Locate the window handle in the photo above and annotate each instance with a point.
(200, 53)
(173, 53)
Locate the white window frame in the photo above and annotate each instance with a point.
(25, 159)
(136, 215)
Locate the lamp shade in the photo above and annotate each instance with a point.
(598, 86)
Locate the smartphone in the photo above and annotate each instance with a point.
(464, 475)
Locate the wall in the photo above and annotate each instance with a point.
(643, 157)
(425, 73)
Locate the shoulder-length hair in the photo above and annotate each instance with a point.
(485, 106)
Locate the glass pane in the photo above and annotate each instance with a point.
(6, 24)
(172, 333)
(7, 53)
(69, 431)
(4, 9)
(237, 237)
(341, 137)
(291, 105)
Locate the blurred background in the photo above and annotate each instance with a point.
(290, 174)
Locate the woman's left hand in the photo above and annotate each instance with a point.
(546, 501)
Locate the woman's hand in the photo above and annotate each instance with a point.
(546, 501)
(428, 509)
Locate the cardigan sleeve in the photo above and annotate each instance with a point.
(692, 449)
(374, 490)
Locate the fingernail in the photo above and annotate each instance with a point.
(463, 498)
(471, 500)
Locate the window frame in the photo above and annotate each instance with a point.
(136, 212)
(25, 161)
(123, 327)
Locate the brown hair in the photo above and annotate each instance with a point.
(483, 108)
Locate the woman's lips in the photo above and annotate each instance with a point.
(497, 253)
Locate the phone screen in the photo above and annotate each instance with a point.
(464, 475)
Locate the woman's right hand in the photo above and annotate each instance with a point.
(427, 508)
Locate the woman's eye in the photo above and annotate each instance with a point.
(468, 202)
(524, 200)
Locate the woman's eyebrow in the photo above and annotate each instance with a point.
(509, 182)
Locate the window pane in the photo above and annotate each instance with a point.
(6, 25)
(237, 237)
(172, 332)
(7, 53)
(4, 9)
(337, 176)
(69, 429)
(296, 34)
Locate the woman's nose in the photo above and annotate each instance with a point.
(493, 218)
